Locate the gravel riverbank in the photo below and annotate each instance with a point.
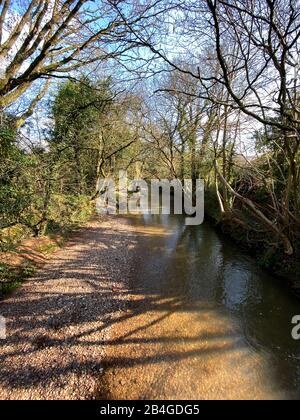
(58, 320)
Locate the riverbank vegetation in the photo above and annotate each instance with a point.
(162, 89)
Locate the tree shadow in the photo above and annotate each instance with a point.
(93, 307)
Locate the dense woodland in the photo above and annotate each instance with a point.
(164, 89)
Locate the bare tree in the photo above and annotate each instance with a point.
(41, 39)
(254, 51)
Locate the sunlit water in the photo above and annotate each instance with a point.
(207, 271)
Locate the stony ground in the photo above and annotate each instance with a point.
(57, 321)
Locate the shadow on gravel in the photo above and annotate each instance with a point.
(87, 289)
(133, 308)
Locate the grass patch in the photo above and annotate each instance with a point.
(11, 238)
(12, 277)
(7, 288)
(47, 249)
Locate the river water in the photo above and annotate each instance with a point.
(203, 321)
(219, 312)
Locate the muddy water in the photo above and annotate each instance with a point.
(204, 321)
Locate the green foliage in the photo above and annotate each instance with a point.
(49, 189)
(7, 135)
(13, 196)
(7, 288)
(67, 212)
(79, 112)
(78, 107)
(11, 277)
(29, 191)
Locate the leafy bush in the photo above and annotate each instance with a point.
(66, 211)
(12, 277)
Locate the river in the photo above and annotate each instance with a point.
(205, 321)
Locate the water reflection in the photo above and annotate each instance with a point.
(200, 266)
